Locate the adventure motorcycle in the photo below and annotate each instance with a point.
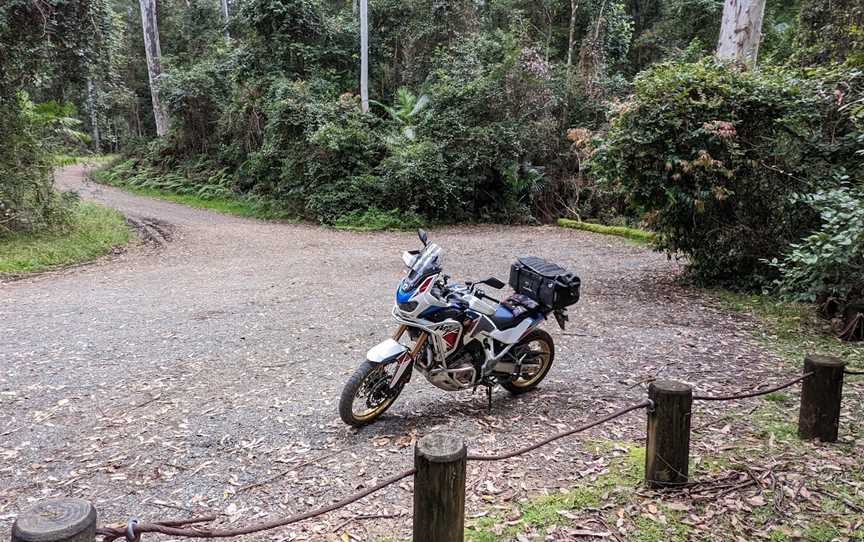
(458, 337)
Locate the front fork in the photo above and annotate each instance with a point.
(407, 358)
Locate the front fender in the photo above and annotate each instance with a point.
(386, 352)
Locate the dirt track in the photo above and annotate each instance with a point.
(173, 379)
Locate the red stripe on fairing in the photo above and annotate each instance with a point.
(473, 323)
(425, 285)
(450, 338)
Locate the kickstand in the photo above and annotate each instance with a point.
(489, 397)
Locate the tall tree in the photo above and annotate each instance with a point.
(364, 55)
(225, 17)
(154, 62)
(741, 30)
(571, 43)
(92, 110)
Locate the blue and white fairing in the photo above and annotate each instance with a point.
(414, 295)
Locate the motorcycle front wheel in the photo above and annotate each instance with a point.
(367, 394)
(538, 350)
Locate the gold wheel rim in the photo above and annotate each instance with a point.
(369, 413)
(545, 353)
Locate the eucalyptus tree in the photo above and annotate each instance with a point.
(741, 30)
(364, 55)
(153, 51)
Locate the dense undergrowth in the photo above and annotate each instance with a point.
(613, 113)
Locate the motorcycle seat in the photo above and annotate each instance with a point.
(505, 319)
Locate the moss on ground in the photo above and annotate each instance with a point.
(634, 234)
(615, 487)
(791, 329)
(377, 220)
(94, 230)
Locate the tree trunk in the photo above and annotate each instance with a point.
(94, 115)
(154, 62)
(565, 111)
(225, 17)
(574, 5)
(741, 30)
(364, 55)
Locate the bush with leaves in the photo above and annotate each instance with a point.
(828, 263)
(30, 133)
(194, 98)
(714, 155)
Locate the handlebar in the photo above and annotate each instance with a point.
(482, 295)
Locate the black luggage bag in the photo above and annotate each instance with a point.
(545, 282)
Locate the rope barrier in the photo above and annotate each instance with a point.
(176, 528)
(853, 373)
(133, 529)
(617, 414)
(751, 394)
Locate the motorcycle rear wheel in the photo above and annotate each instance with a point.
(370, 386)
(537, 344)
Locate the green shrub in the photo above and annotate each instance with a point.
(194, 98)
(28, 137)
(830, 261)
(714, 156)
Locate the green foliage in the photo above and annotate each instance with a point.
(194, 98)
(28, 201)
(212, 194)
(91, 231)
(714, 155)
(43, 47)
(376, 220)
(406, 108)
(830, 30)
(830, 261)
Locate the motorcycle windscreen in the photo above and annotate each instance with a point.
(427, 263)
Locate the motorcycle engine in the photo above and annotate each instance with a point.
(471, 355)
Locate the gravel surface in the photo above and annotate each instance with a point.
(204, 374)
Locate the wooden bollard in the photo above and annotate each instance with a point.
(821, 394)
(667, 453)
(56, 520)
(439, 488)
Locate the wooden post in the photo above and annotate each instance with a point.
(56, 520)
(821, 393)
(667, 454)
(439, 488)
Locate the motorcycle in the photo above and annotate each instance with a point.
(459, 337)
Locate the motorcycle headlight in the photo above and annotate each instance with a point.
(408, 306)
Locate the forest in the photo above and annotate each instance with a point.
(508, 111)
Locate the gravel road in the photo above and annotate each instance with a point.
(204, 375)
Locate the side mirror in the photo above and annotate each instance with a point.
(424, 237)
(492, 282)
